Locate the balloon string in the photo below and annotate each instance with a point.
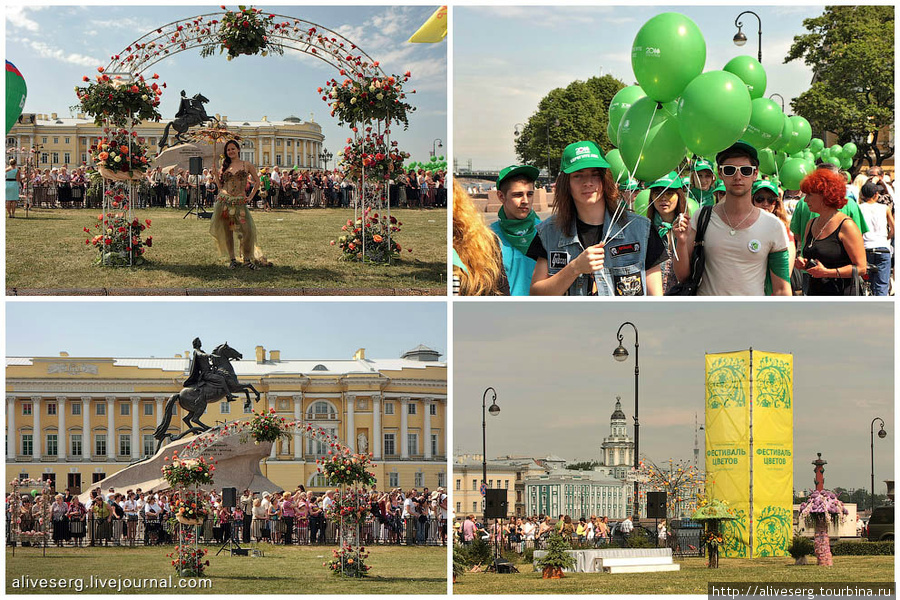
(646, 135)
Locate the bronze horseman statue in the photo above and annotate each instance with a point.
(190, 112)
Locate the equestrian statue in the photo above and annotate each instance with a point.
(190, 112)
(210, 378)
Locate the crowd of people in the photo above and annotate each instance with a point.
(825, 238)
(297, 517)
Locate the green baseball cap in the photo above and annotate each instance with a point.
(582, 155)
(720, 186)
(531, 172)
(702, 164)
(631, 184)
(742, 146)
(686, 181)
(669, 180)
(764, 184)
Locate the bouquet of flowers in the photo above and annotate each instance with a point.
(343, 467)
(244, 31)
(713, 539)
(186, 473)
(187, 558)
(823, 503)
(349, 562)
(373, 228)
(190, 507)
(368, 98)
(117, 100)
(349, 509)
(370, 155)
(120, 152)
(118, 240)
(268, 426)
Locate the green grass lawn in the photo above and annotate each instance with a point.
(691, 579)
(46, 251)
(282, 570)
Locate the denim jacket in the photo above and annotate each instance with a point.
(623, 264)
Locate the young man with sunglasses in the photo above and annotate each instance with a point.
(743, 244)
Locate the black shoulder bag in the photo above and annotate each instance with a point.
(690, 286)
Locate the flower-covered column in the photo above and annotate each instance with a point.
(822, 507)
(186, 476)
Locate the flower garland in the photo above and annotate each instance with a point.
(346, 468)
(118, 240)
(823, 504)
(368, 98)
(268, 426)
(187, 472)
(374, 228)
(115, 100)
(370, 155)
(349, 509)
(187, 559)
(119, 151)
(191, 507)
(349, 562)
(244, 31)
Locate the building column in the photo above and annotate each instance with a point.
(11, 433)
(86, 447)
(36, 413)
(136, 449)
(62, 438)
(159, 409)
(375, 443)
(298, 417)
(111, 446)
(351, 421)
(404, 431)
(427, 441)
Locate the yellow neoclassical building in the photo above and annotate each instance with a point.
(64, 141)
(77, 420)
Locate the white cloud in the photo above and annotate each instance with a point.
(131, 23)
(17, 17)
(46, 51)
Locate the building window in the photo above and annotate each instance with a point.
(248, 408)
(434, 444)
(95, 477)
(474, 507)
(388, 408)
(149, 445)
(124, 444)
(225, 407)
(27, 444)
(44, 140)
(393, 480)
(458, 507)
(389, 444)
(278, 159)
(56, 140)
(442, 478)
(458, 485)
(321, 410)
(67, 140)
(419, 479)
(55, 158)
(148, 409)
(410, 408)
(490, 484)
(84, 157)
(76, 408)
(75, 444)
(125, 409)
(506, 483)
(320, 448)
(66, 157)
(101, 409)
(289, 143)
(100, 444)
(432, 409)
(51, 408)
(474, 485)
(318, 481)
(412, 443)
(52, 444)
(44, 156)
(26, 409)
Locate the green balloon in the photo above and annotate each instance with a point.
(649, 142)
(692, 205)
(801, 133)
(809, 156)
(16, 92)
(836, 150)
(668, 53)
(642, 202)
(834, 160)
(766, 123)
(767, 161)
(786, 131)
(751, 72)
(850, 149)
(816, 145)
(792, 172)
(618, 106)
(616, 165)
(780, 157)
(713, 112)
(847, 162)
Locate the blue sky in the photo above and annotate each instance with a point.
(557, 382)
(55, 47)
(506, 58)
(301, 330)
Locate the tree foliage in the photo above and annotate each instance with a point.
(850, 50)
(587, 465)
(580, 108)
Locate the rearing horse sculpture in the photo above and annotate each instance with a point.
(194, 399)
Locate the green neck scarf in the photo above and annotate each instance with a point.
(662, 227)
(519, 233)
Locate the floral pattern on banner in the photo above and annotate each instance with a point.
(362, 99)
(244, 31)
(117, 101)
(117, 239)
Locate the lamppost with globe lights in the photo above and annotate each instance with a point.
(882, 434)
(621, 354)
(494, 410)
(740, 39)
(326, 156)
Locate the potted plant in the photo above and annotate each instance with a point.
(821, 507)
(800, 548)
(557, 558)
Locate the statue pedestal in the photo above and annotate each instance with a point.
(179, 156)
(237, 465)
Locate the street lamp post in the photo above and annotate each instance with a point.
(882, 434)
(435, 145)
(326, 156)
(621, 354)
(772, 97)
(740, 39)
(494, 410)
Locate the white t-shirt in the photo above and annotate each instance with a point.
(409, 508)
(736, 265)
(876, 218)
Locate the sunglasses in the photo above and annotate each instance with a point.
(792, 197)
(730, 170)
(762, 200)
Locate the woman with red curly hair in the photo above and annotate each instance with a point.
(833, 244)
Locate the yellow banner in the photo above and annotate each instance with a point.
(728, 443)
(434, 30)
(773, 449)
